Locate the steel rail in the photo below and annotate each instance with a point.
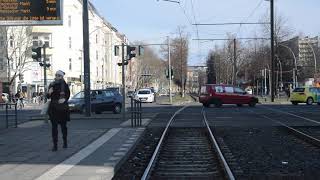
(226, 167)
(310, 139)
(157, 150)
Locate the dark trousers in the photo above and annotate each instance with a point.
(64, 131)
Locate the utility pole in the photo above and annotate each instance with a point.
(234, 61)
(86, 59)
(170, 75)
(45, 72)
(123, 84)
(272, 50)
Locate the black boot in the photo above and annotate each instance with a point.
(65, 144)
(54, 148)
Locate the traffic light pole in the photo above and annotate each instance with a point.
(272, 50)
(45, 72)
(86, 60)
(123, 85)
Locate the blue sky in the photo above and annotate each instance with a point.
(151, 20)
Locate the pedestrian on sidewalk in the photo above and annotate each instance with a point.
(59, 113)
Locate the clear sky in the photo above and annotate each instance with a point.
(152, 20)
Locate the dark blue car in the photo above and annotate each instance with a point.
(101, 100)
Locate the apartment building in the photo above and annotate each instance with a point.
(65, 52)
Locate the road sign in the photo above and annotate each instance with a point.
(31, 12)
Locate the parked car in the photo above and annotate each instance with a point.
(308, 95)
(5, 97)
(101, 100)
(225, 94)
(115, 89)
(145, 95)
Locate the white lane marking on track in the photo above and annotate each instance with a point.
(307, 119)
(69, 163)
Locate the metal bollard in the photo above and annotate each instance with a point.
(132, 112)
(16, 115)
(7, 116)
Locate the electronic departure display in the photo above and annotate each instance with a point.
(31, 12)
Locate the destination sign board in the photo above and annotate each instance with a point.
(31, 12)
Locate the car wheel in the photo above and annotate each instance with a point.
(239, 105)
(252, 103)
(309, 101)
(294, 103)
(117, 109)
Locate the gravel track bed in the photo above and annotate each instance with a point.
(270, 153)
(312, 131)
(134, 167)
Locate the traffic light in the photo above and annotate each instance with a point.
(167, 73)
(36, 53)
(131, 52)
(125, 63)
(42, 64)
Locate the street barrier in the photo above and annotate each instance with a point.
(136, 113)
(10, 113)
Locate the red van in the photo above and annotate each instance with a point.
(225, 94)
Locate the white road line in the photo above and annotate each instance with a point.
(304, 118)
(69, 163)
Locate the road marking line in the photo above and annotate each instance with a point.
(307, 119)
(69, 163)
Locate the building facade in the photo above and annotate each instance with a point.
(65, 52)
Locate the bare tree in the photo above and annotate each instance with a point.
(179, 57)
(17, 51)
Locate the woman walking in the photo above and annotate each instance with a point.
(59, 114)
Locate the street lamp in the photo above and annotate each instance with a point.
(295, 75)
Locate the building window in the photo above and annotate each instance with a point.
(11, 41)
(47, 41)
(70, 42)
(97, 71)
(35, 41)
(69, 20)
(97, 55)
(70, 64)
(97, 38)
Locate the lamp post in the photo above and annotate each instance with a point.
(295, 76)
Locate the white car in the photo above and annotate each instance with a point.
(145, 95)
(249, 91)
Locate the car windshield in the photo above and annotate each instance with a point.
(80, 95)
(299, 90)
(144, 92)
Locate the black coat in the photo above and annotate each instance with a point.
(59, 112)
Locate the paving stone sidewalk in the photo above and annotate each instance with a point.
(25, 152)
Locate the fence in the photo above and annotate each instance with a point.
(136, 113)
(8, 115)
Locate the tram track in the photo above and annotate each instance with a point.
(187, 152)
